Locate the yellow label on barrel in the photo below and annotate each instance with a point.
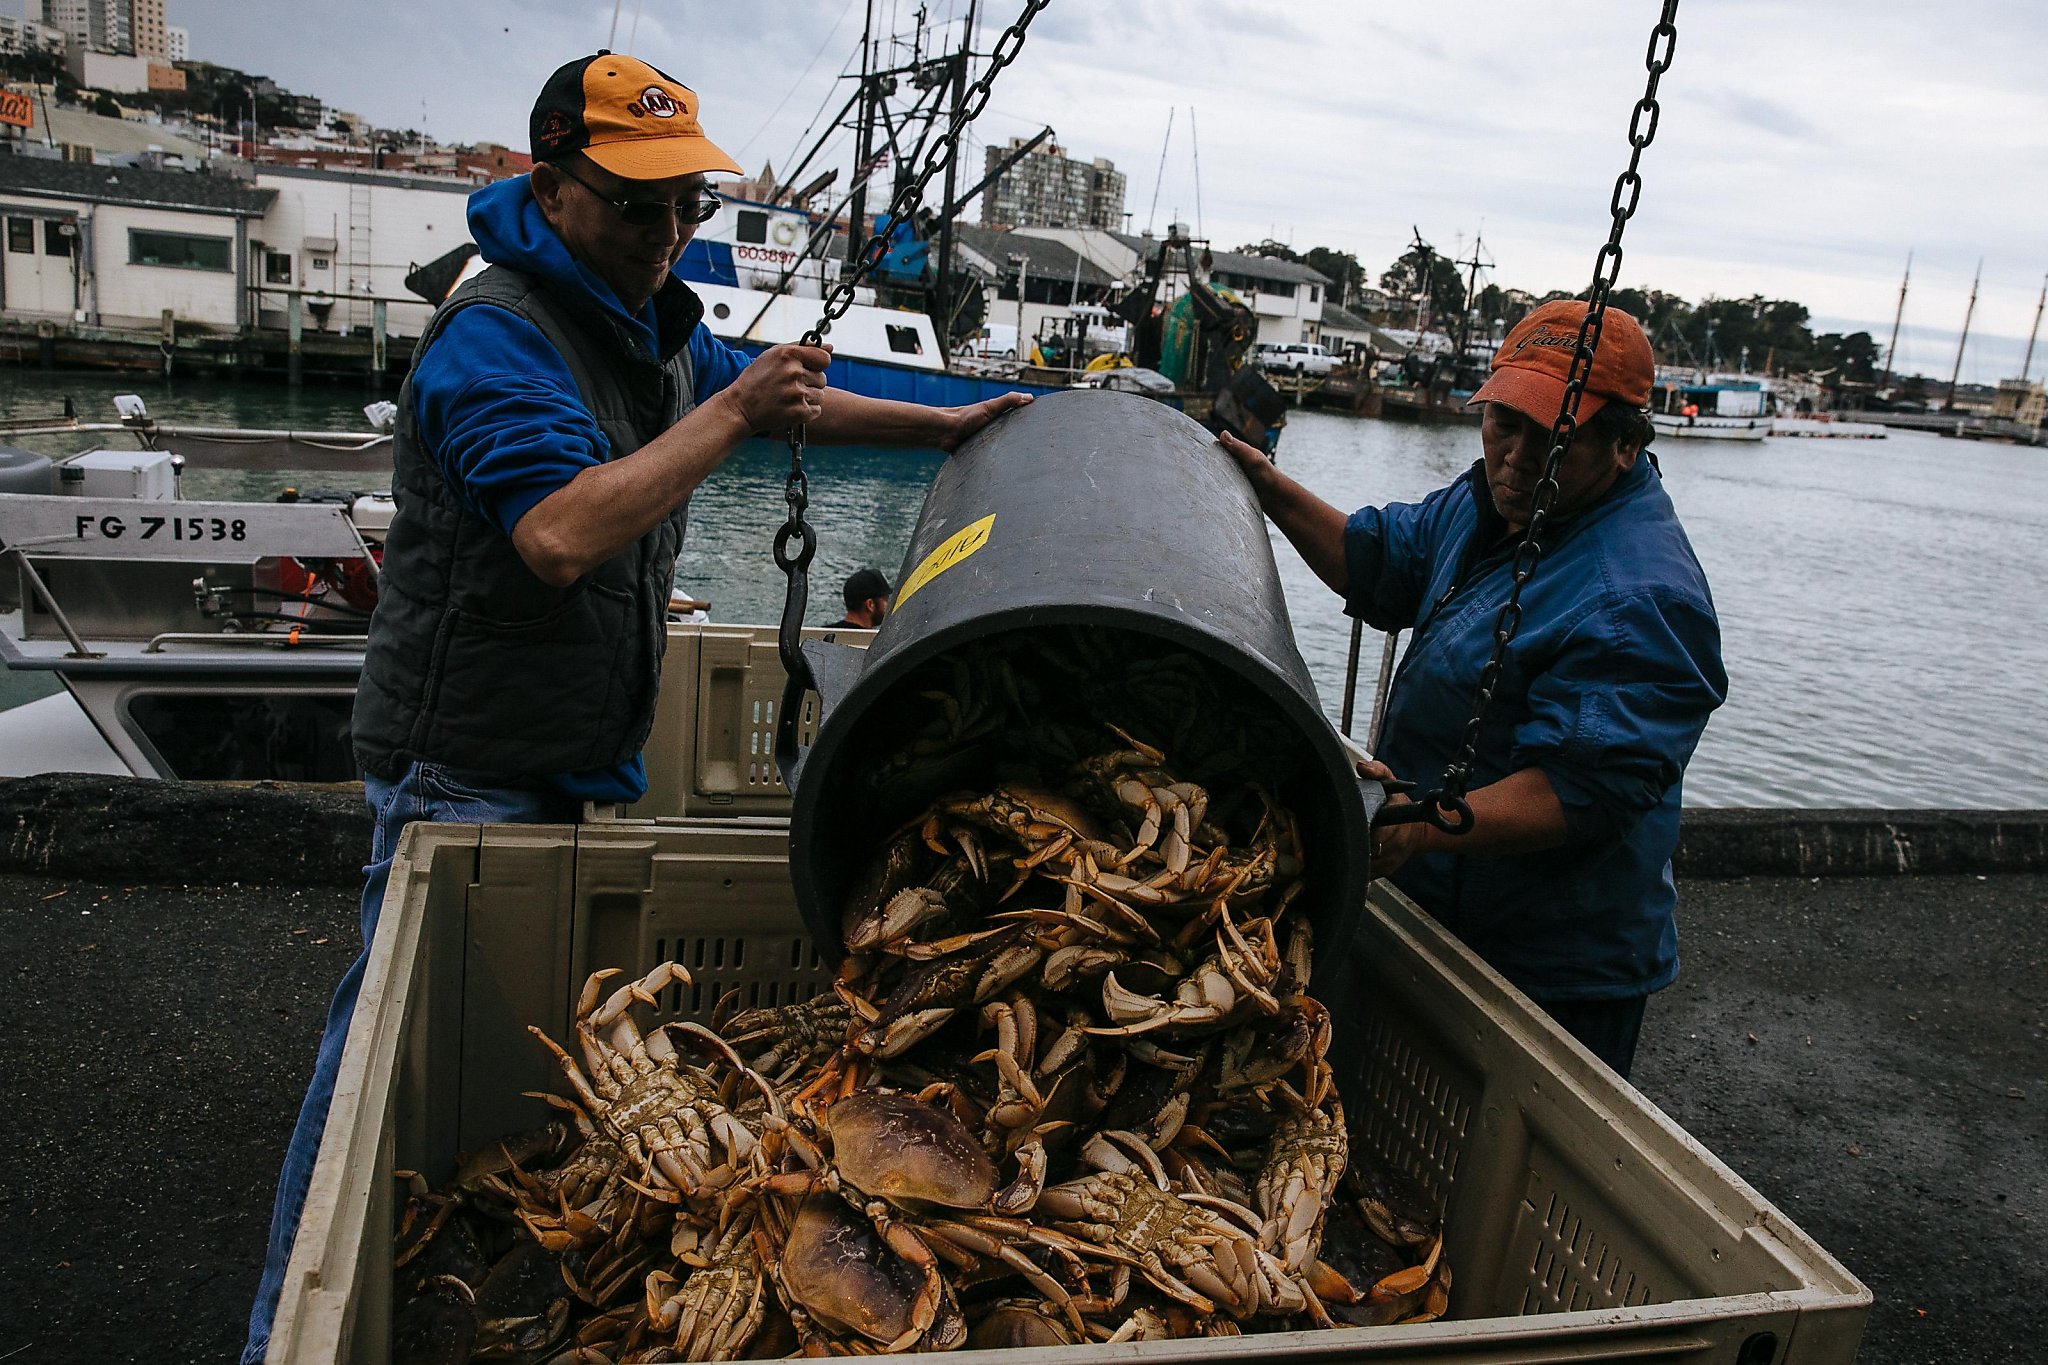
(950, 552)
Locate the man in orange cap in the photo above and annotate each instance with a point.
(1564, 881)
(562, 406)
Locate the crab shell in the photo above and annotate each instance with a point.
(840, 1272)
(898, 1148)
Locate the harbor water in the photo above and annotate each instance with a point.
(1879, 600)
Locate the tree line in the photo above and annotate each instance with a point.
(1768, 335)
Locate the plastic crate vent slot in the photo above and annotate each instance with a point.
(1414, 1119)
(1574, 1267)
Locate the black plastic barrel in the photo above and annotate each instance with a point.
(1088, 509)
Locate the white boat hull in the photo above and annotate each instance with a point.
(1711, 428)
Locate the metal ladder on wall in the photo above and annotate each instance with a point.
(361, 278)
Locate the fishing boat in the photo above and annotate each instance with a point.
(761, 272)
(192, 638)
(1711, 408)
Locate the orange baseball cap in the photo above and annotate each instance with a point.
(635, 121)
(1532, 365)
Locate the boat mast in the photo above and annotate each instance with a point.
(1471, 296)
(1152, 214)
(1425, 275)
(857, 214)
(946, 309)
(2027, 365)
(1964, 340)
(1899, 312)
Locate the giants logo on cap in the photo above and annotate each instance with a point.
(656, 101)
(1543, 336)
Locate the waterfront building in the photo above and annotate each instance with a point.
(29, 35)
(106, 249)
(344, 239)
(146, 30)
(122, 247)
(1052, 275)
(2024, 401)
(177, 44)
(1347, 334)
(1050, 189)
(1286, 297)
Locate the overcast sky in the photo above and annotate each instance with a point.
(1806, 145)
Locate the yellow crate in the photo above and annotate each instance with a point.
(1582, 1224)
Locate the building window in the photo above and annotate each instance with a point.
(750, 225)
(1315, 292)
(277, 267)
(903, 340)
(57, 237)
(179, 251)
(21, 235)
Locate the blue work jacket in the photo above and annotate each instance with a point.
(1606, 688)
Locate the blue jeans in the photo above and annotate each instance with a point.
(426, 791)
(1608, 1028)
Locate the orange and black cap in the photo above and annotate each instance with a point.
(635, 121)
(1533, 363)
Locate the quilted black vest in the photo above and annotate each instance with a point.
(473, 661)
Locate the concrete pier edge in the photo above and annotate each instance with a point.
(124, 829)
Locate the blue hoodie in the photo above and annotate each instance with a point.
(1606, 688)
(499, 412)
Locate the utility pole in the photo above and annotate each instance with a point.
(2027, 366)
(1964, 340)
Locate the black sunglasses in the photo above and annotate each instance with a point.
(698, 208)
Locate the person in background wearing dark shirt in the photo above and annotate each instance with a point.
(867, 601)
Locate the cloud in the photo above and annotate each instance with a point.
(1768, 115)
(1804, 147)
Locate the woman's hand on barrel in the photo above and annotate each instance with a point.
(1248, 456)
(1392, 845)
(972, 418)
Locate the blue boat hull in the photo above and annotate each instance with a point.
(900, 383)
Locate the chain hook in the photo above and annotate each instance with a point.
(795, 542)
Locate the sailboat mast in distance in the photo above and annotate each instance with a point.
(2027, 365)
(1964, 340)
(1899, 312)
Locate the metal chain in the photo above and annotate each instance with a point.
(1446, 807)
(796, 543)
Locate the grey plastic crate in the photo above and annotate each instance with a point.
(712, 749)
(1582, 1224)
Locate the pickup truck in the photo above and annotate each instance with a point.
(1294, 357)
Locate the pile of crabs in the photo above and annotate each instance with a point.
(1067, 1087)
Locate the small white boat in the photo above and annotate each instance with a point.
(1717, 408)
(1699, 428)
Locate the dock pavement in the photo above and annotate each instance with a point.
(1870, 1052)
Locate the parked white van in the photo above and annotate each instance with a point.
(997, 341)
